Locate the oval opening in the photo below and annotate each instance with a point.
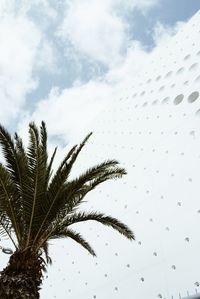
(165, 100)
(154, 102)
(193, 67)
(193, 96)
(197, 113)
(187, 57)
(178, 99)
(180, 71)
(197, 79)
(168, 74)
(158, 78)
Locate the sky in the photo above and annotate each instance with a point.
(63, 61)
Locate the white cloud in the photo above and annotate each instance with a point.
(23, 49)
(68, 112)
(141, 5)
(163, 33)
(123, 73)
(97, 28)
(46, 57)
(94, 30)
(101, 35)
(19, 40)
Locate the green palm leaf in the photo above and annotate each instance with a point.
(57, 185)
(37, 163)
(45, 248)
(9, 200)
(89, 181)
(101, 218)
(74, 191)
(69, 233)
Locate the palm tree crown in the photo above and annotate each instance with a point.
(37, 205)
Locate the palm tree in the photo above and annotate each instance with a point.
(37, 206)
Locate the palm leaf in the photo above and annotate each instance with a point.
(88, 181)
(49, 167)
(76, 190)
(57, 185)
(69, 233)
(45, 248)
(101, 218)
(24, 190)
(15, 167)
(8, 205)
(10, 155)
(37, 159)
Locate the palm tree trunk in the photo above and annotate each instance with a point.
(22, 277)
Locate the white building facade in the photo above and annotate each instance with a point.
(153, 129)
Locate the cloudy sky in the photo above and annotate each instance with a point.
(63, 61)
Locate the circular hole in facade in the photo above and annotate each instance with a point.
(193, 96)
(197, 113)
(158, 78)
(193, 66)
(168, 74)
(162, 88)
(148, 81)
(187, 57)
(180, 71)
(197, 79)
(154, 102)
(165, 100)
(178, 99)
(142, 93)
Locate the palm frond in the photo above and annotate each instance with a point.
(53, 201)
(64, 169)
(3, 228)
(49, 167)
(45, 248)
(43, 145)
(15, 165)
(9, 200)
(25, 182)
(37, 159)
(10, 155)
(77, 189)
(69, 233)
(101, 218)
